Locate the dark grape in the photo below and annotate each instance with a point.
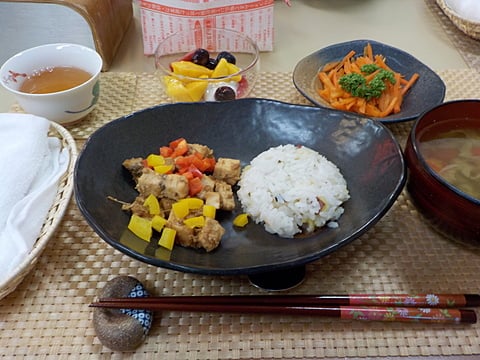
(224, 93)
(211, 64)
(201, 57)
(227, 56)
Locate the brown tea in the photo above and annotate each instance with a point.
(54, 79)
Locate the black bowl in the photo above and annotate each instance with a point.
(364, 150)
(428, 91)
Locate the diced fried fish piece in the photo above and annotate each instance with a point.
(202, 149)
(171, 186)
(227, 201)
(210, 235)
(227, 170)
(212, 198)
(185, 235)
(208, 185)
(135, 166)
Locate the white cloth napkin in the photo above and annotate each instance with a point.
(31, 164)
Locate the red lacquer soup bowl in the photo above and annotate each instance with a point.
(443, 157)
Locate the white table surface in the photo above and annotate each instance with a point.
(303, 28)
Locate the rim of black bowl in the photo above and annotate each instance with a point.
(433, 173)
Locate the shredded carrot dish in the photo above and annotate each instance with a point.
(364, 84)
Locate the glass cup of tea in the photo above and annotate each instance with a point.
(59, 82)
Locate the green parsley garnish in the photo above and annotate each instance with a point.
(357, 85)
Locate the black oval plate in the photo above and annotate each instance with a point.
(364, 150)
(427, 92)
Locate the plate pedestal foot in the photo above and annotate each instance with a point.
(278, 280)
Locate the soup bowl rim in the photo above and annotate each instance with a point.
(414, 137)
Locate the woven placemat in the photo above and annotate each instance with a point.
(467, 46)
(48, 314)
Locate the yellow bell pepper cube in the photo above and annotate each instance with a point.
(193, 222)
(209, 211)
(193, 203)
(180, 209)
(153, 205)
(163, 169)
(155, 160)
(240, 220)
(141, 227)
(158, 223)
(167, 239)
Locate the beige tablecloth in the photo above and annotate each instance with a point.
(48, 314)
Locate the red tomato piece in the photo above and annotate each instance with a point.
(197, 162)
(182, 162)
(195, 186)
(188, 175)
(209, 164)
(166, 151)
(180, 149)
(194, 171)
(173, 144)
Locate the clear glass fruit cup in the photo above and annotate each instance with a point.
(207, 64)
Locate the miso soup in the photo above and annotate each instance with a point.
(454, 154)
(54, 79)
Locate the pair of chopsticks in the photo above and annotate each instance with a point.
(432, 308)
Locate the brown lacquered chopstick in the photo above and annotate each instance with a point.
(373, 313)
(418, 308)
(401, 300)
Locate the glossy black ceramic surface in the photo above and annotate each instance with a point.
(428, 91)
(363, 149)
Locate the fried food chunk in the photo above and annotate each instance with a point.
(227, 201)
(210, 235)
(227, 170)
(171, 186)
(207, 237)
(135, 166)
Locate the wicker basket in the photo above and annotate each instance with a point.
(469, 27)
(54, 216)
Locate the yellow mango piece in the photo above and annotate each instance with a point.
(176, 90)
(221, 70)
(155, 160)
(193, 222)
(233, 69)
(158, 223)
(163, 169)
(209, 211)
(141, 227)
(180, 209)
(196, 89)
(190, 69)
(240, 220)
(167, 239)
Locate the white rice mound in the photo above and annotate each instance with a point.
(281, 187)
